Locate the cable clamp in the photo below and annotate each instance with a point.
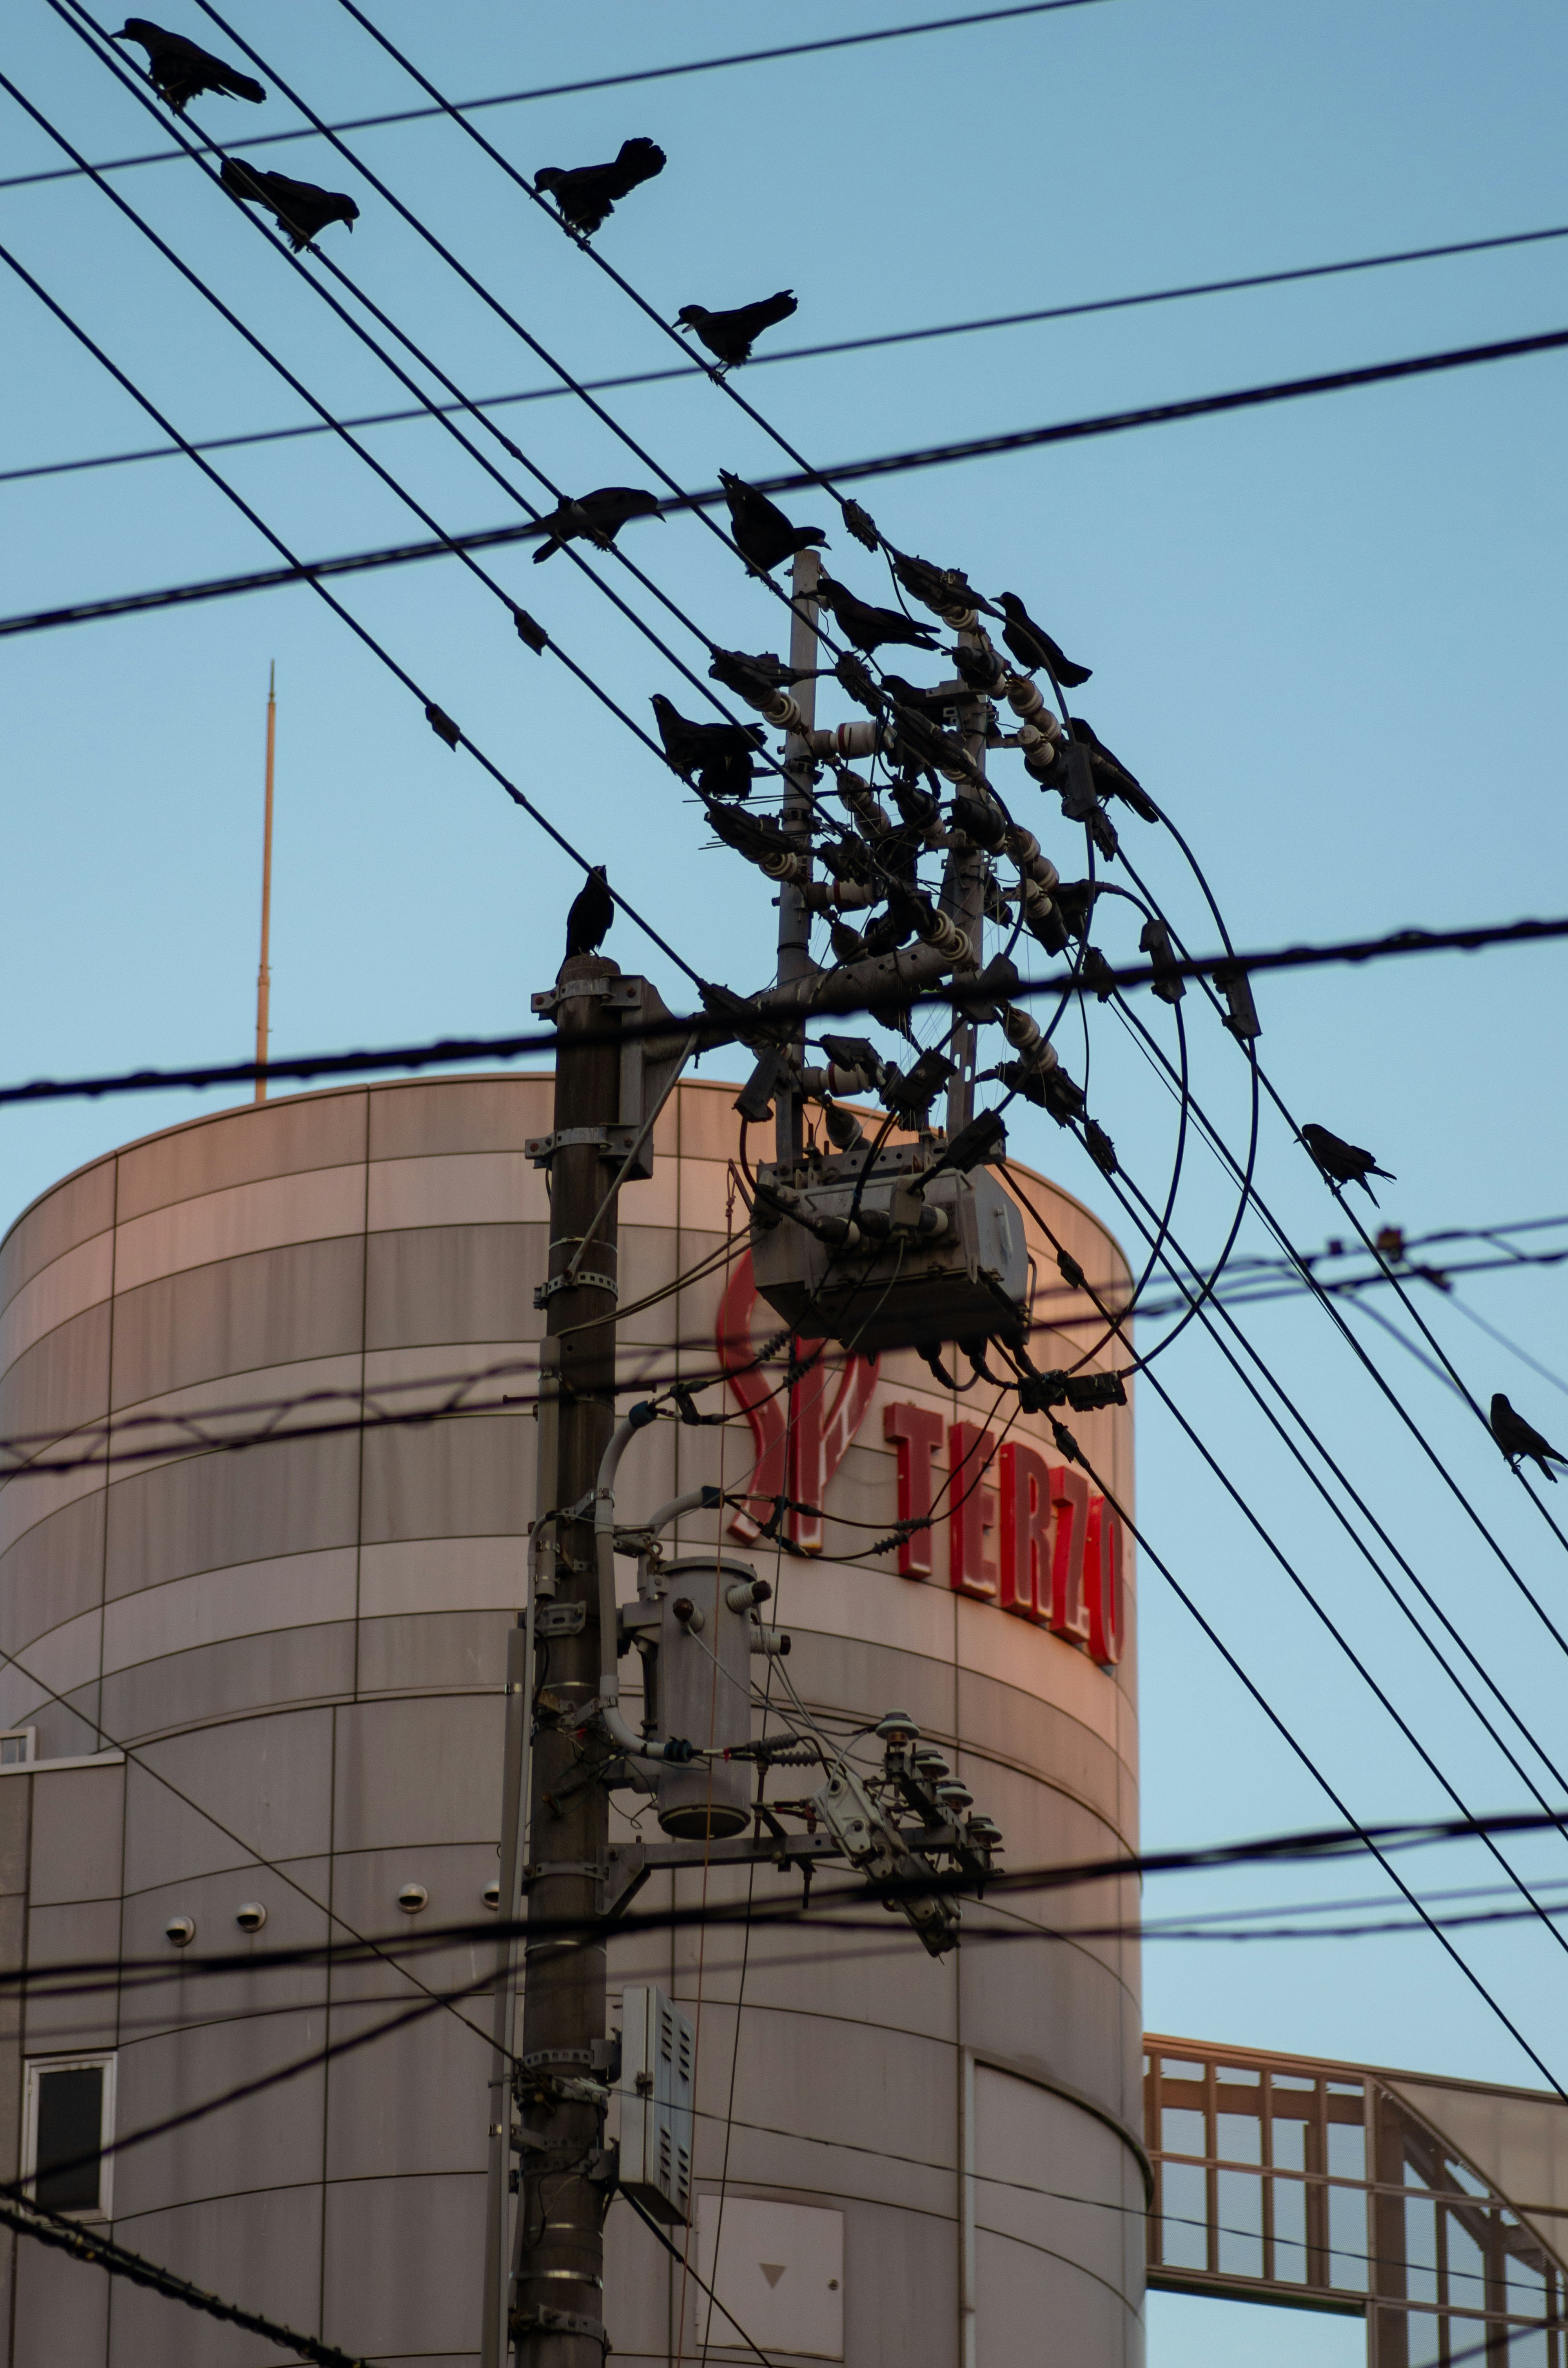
(615, 991)
(584, 1281)
(545, 2321)
(610, 1142)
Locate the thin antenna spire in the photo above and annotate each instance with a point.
(263, 974)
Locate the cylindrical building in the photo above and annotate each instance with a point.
(268, 1677)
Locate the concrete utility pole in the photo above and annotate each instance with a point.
(963, 900)
(557, 2297)
(794, 919)
(264, 976)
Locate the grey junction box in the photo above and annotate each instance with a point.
(657, 2058)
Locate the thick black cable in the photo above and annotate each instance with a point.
(797, 353)
(75, 14)
(1336, 1507)
(85, 2245)
(599, 82)
(69, 11)
(445, 1051)
(1326, 1301)
(1314, 1770)
(362, 632)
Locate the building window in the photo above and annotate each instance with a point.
(18, 1746)
(69, 2128)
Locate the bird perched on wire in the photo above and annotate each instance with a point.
(1516, 1439)
(940, 589)
(1346, 1163)
(759, 678)
(180, 71)
(1033, 647)
(586, 193)
(301, 208)
(718, 756)
(591, 913)
(758, 528)
(729, 336)
(1111, 777)
(870, 627)
(599, 516)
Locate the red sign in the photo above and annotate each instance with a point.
(1028, 1536)
(801, 1434)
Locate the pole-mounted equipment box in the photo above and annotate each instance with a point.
(658, 2055)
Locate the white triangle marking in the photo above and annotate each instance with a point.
(771, 2270)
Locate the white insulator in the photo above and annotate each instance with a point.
(963, 621)
(782, 863)
(856, 739)
(1037, 898)
(1027, 699)
(869, 812)
(945, 936)
(839, 896)
(1024, 848)
(784, 711)
(1041, 756)
(1022, 1032)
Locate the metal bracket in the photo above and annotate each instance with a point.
(560, 1618)
(610, 1142)
(545, 2321)
(624, 991)
(627, 1873)
(593, 1868)
(545, 1292)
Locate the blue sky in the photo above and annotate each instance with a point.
(1328, 635)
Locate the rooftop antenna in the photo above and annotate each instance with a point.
(263, 974)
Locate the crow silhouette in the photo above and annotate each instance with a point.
(1033, 647)
(868, 627)
(980, 666)
(181, 71)
(1111, 777)
(729, 336)
(586, 193)
(301, 208)
(761, 532)
(1346, 1162)
(599, 515)
(940, 589)
(718, 756)
(757, 679)
(1516, 1440)
(592, 911)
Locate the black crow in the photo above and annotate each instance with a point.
(867, 627)
(301, 208)
(1516, 1440)
(757, 679)
(1346, 1163)
(586, 193)
(1033, 647)
(729, 336)
(719, 755)
(592, 911)
(761, 532)
(599, 515)
(938, 588)
(1111, 777)
(181, 71)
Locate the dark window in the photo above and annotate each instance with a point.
(70, 2136)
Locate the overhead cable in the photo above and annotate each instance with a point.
(457, 737)
(799, 353)
(449, 1051)
(595, 81)
(929, 455)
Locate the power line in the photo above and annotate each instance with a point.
(102, 2252)
(456, 734)
(929, 456)
(800, 353)
(447, 1050)
(572, 89)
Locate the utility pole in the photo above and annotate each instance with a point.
(264, 976)
(557, 2293)
(794, 918)
(963, 900)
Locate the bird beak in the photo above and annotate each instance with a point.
(684, 326)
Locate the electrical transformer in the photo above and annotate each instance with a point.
(894, 1251)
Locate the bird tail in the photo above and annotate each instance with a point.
(546, 549)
